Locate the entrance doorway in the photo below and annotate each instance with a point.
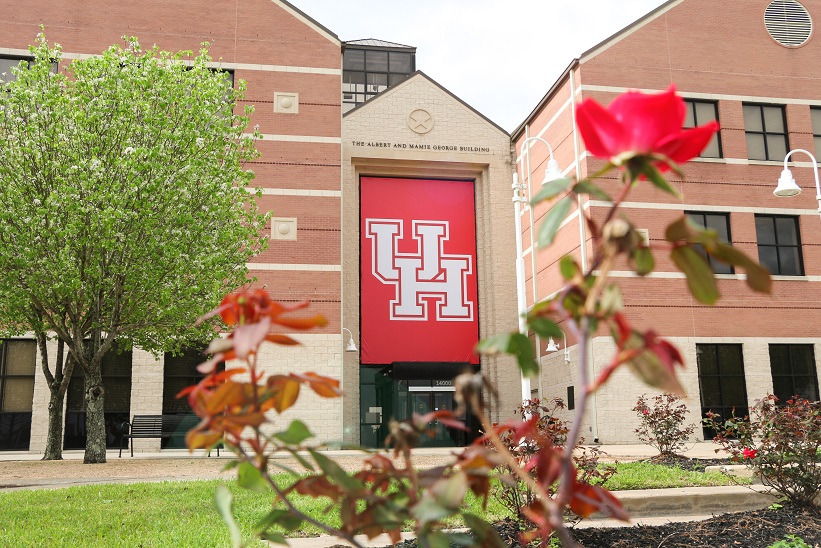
(427, 400)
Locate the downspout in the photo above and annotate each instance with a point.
(532, 247)
(594, 412)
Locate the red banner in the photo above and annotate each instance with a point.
(418, 271)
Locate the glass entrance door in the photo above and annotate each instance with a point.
(427, 401)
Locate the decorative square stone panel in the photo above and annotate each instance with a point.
(286, 103)
(283, 228)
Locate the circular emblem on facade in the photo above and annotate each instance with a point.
(420, 121)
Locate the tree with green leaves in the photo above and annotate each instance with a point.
(126, 210)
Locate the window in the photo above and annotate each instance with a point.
(7, 63)
(116, 369)
(793, 370)
(720, 222)
(699, 113)
(816, 129)
(179, 372)
(366, 72)
(17, 366)
(721, 381)
(779, 244)
(766, 129)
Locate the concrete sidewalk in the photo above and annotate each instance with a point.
(626, 452)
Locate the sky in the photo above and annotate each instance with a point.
(499, 57)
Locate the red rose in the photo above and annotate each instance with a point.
(749, 453)
(639, 124)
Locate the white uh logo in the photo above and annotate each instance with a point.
(428, 274)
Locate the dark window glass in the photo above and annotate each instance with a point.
(699, 113)
(116, 370)
(720, 222)
(816, 129)
(17, 367)
(779, 244)
(721, 381)
(793, 370)
(367, 72)
(766, 129)
(179, 372)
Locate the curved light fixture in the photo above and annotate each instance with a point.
(351, 346)
(553, 347)
(786, 183)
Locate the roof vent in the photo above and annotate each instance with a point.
(788, 22)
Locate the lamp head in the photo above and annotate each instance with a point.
(351, 346)
(552, 346)
(786, 185)
(552, 172)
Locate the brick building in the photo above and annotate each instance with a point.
(753, 66)
(296, 80)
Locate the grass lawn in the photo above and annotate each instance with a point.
(174, 514)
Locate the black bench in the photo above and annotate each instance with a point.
(158, 426)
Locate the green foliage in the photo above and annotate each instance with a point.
(646, 475)
(781, 442)
(516, 344)
(552, 221)
(661, 423)
(125, 201)
(790, 541)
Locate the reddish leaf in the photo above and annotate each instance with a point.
(325, 387)
(588, 499)
(281, 339)
(248, 337)
(229, 393)
(284, 392)
(201, 440)
(302, 323)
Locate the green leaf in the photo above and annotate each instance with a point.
(230, 465)
(758, 279)
(586, 187)
(658, 180)
(569, 267)
(450, 492)
(700, 277)
(300, 459)
(644, 261)
(336, 473)
(249, 477)
(612, 300)
(544, 328)
(485, 534)
(436, 539)
(223, 500)
(681, 229)
(552, 221)
(512, 343)
(296, 433)
(551, 190)
(427, 510)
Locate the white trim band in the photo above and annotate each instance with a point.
(298, 267)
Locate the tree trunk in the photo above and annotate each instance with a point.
(54, 441)
(95, 419)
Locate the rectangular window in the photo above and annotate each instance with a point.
(699, 113)
(815, 112)
(793, 370)
(6, 64)
(17, 366)
(719, 222)
(779, 244)
(721, 381)
(766, 130)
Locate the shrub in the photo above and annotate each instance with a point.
(662, 425)
(780, 443)
(515, 494)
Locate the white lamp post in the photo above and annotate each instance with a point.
(787, 185)
(553, 347)
(551, 173)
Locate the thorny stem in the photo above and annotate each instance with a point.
(565, 489)
(513, 464)
(291, 508)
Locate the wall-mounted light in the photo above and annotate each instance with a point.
(553, 347)
(351, 346)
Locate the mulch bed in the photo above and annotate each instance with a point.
(752, 529)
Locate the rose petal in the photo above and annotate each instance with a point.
(603, 135)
